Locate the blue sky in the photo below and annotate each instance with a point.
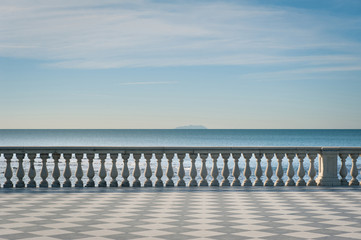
(163, 64)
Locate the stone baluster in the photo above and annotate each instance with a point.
(8, 171)
(67, 171)
(79, 170)
(279, 170)
(32, 172)
(258, 171)
(125, 171)
(225, 171)
(114, 170)
(102, 171)
(247, 170)
(236, 173)
(290, 171)
(44, 170)
(181, 172)
(214, 170)
(136, 171)
(20, 172)
(203, 171)
(193, 170)
(159, 171)
(269, 171)
(170, 172)
(90, 174)
(354, 170)
(148, 170)
(56, 170)
(312, 170)
(343, 169)
(301, 170)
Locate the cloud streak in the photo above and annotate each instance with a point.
(147, 83)
(115, 34)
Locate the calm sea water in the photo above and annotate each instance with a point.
(178, 137)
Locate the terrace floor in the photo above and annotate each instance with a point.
(181, 213)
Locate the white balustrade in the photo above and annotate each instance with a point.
(181, 172)
(20, 173)
(90, 174)
(56, 170)
(279, 170)
(225, 171)
(170, 172)
(214, 170)
(328, 159)
(203, 173)
(236, 173)
(114, 171)
(312, 170)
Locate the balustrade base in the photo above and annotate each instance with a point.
(20, 184)
(354, 182)
(328, 181)
(311, 182)
(236, 182)
(125, 183)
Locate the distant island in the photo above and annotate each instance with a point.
(192, 127)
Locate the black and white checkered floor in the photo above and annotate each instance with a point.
(200, 213)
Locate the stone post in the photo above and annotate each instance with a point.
(327, 169)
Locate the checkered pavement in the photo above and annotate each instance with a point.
(147, 214)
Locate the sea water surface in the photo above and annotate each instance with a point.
(180, 137)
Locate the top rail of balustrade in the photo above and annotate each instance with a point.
(166, 149)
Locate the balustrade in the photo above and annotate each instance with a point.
(204, 157)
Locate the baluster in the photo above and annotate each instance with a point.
(247, 170)
(136, 171)
(102, 172)
(67, 171)
(90, 174)
(279, 170)
(343, 170)
(20, 173)
(79, 170)
(290, 171)
(312, 170)
(225, 170)
(354, 171)
(193, 170)
(269, 171)
(56, 170)
(125, 172)
(32, 172)
(181, 172)
(170, 172)
(44, 170)
(214, 170)
(203, 172)
(159, 172)
(114, 170)
(301, 170)
(258, 171)
(236, 173)
(148, 170)
(8, 171)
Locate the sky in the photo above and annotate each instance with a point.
(162, 64)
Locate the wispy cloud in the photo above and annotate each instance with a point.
(147, 83)
(114, 34)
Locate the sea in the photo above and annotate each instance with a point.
(174, 137)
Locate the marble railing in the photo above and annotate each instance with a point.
(331, 162)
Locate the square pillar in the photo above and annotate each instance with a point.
(327, 169)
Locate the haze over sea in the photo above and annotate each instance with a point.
(180, 137)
